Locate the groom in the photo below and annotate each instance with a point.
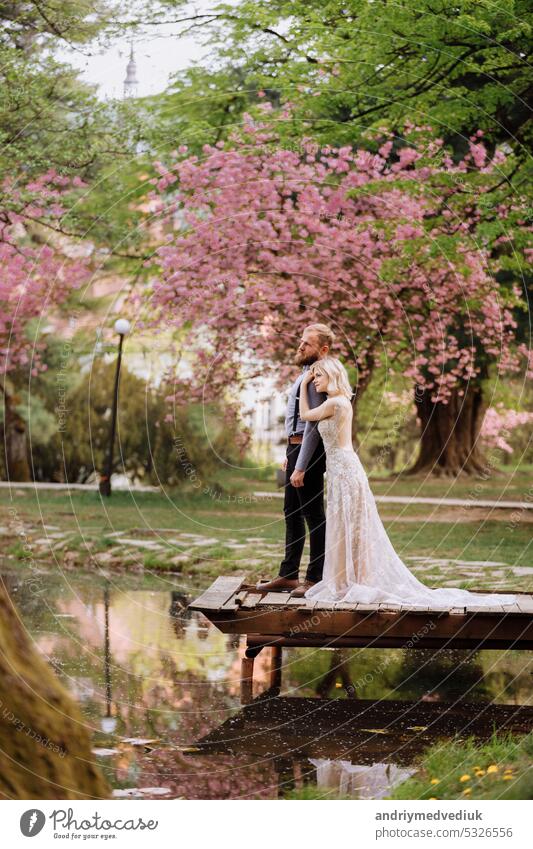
(304, 468)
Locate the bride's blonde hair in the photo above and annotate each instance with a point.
(336, 374)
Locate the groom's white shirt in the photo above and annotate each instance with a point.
(308, 429)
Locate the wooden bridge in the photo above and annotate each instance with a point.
(275, 620)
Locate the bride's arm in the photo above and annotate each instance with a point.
(324, 411)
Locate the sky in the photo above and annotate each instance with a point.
(157, 57)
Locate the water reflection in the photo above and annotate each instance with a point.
(362, 782)
(159, 688)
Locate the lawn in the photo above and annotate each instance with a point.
(228, 529)
(466, 769)
(460, 769)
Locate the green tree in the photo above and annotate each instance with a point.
(70, 443)
(348, 65)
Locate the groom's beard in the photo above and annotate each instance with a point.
(305, 359)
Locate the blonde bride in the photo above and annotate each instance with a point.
(361, 564)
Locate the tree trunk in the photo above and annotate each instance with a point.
(44, 740)
(449, 441)
(15, 442)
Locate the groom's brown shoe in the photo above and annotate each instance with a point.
(278, 585)
(302, 588)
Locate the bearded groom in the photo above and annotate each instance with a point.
(304, 467)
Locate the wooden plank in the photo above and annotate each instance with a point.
(247, 680)
(526, 604)
(302, 640)
(512, 608)
(296, 602)
(496, 609)
(315, 604)
(389, 607)
(346, 605)
(217, 594)
(251, 600)
(381, 624)
(513, 633)
(237, 608)
(234, 601)
(367, 609)
(414, 608)
(274, 600)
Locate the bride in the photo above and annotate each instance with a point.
(361, 564)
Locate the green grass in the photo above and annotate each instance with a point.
(463, 768)
(235, 517)
(459, 769)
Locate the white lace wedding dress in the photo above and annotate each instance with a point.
(361, 564)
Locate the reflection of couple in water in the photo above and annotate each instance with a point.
(351, 556)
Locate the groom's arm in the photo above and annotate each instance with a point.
(311, 434)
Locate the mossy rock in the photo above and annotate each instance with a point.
(44, 744)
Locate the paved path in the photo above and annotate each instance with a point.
(87, 487)
(385, 499)
(443, 502)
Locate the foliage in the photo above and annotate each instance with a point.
(148, 448)
(498, 423)
(37, 273)
(53, 123)
(370, 243)
(497, 769)
(48, 118)
(387, 431)
(345, 66)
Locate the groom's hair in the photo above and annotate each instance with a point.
(325, 334)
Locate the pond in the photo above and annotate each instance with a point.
(159, 689)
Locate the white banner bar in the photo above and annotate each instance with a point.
(258, 824)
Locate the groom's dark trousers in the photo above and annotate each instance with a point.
(305, 504)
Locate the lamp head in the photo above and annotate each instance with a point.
(122, 326)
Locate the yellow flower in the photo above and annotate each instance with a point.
(480, 772)
(433, 798)
(465, 777)
(435, 781)
(466, 791)
(508, 777)
(492, 768)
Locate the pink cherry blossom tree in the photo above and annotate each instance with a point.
(37, 275)
(499, 423)
(261, 241)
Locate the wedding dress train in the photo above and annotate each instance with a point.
(361, 564)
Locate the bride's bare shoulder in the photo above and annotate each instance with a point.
(343, 401)
(341, 404)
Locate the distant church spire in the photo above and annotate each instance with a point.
(131, 82)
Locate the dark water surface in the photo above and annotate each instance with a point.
(159, 688)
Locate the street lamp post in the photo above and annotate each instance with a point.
(122, 326)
